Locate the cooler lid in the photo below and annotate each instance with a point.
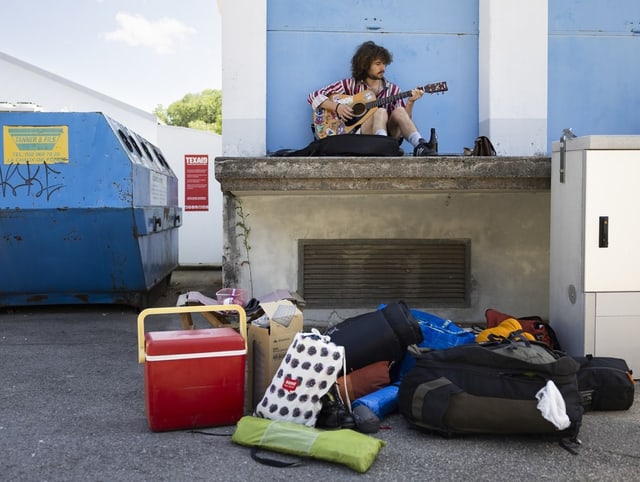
(206, 341)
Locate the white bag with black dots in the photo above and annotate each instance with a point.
(307, 372)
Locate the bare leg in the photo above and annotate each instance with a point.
(400, 124)
(376, 122)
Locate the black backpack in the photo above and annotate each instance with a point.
(490, 388)
(369, 145)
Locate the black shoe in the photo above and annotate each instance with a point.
(334, 415)
(423, 149)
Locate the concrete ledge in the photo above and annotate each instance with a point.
(437, 173)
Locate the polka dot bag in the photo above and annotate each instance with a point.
(307, 372)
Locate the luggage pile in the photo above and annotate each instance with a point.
(335, 382)
(312, 392)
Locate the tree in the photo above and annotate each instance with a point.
(198, 111)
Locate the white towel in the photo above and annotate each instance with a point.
(552, 406)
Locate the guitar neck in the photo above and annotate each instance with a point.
(429, 88)
(388, 100)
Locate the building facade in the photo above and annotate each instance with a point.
(517, 71)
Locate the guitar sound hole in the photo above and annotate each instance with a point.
(358, 109)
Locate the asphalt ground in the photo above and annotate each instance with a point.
(72, 409)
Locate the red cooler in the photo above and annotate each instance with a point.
(193, 378)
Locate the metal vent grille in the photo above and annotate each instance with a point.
(357, 273)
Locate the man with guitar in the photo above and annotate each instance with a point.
(351, 104)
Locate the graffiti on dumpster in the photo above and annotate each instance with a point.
(29, 180)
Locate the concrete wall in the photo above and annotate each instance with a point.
(508, 231)
(501, 204)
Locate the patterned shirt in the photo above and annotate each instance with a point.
(351, 87)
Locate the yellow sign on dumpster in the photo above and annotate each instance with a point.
(35, 144)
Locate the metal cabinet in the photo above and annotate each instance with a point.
(595, 246)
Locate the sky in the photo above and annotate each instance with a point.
(142, 52)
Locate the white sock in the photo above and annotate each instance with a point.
(414, 138)
(381, 132)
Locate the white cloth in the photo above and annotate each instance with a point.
(552, 406)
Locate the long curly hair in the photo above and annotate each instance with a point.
(365, 56)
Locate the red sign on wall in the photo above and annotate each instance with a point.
(196, 182)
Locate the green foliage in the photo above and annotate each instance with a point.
(245, 230)
(198, 111)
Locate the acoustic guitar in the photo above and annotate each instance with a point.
(364, 104)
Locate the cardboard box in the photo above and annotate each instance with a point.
(268, 344)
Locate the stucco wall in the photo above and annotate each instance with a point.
(501, 204)
(508, 231)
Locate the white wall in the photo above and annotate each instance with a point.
(512, 70)
(244, 77)
(201, 232)
(23, 82)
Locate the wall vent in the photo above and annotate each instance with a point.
(359, 273)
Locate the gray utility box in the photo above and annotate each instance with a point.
(595, 246)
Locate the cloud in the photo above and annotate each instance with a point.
(161, 35)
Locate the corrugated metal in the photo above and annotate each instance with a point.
(364, 272)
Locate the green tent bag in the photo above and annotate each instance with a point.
(347, 447)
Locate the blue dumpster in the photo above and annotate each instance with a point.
(88, 212)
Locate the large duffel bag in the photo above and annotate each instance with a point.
(605, 383)
(381, 335)
(489, 388)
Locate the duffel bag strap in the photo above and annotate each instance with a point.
(514, 337)
(274, 462)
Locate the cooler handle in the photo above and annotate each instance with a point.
(187, 309)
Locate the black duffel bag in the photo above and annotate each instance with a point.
(381, 335)
(605, 383)
(489, 388)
